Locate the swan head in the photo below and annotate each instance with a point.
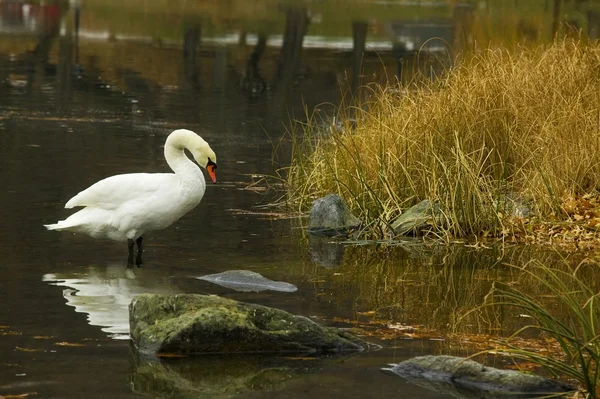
(200, 150)
(206, 158)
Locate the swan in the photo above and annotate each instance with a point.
(124, 207)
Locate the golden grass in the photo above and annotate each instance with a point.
(524, 123)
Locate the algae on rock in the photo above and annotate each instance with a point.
(190, 323)
(463, 378)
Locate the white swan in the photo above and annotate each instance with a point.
(124, 207)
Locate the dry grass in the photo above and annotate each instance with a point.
(524, 123)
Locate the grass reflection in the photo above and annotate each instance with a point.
(435, 288)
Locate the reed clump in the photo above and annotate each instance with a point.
(523, 124)
(568, 315)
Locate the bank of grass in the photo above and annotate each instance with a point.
(524, 124)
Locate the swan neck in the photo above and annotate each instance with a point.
(180, 163)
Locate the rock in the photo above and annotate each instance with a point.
(513, 205)
(190, 323)
(247, 281)
(417, 218)
(463, 378)
(330, 216)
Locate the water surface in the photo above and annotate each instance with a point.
(92, 90)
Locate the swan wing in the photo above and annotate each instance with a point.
(114, 191)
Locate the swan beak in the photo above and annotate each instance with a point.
(211, 169)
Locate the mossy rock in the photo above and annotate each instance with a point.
(190, 323)
(424, 215)
(464, 378)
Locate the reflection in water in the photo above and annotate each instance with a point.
(219, 376)
(104, 295)
(325, 251)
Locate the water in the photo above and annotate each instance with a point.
(93, 90)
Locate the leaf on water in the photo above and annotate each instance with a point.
(265, 215)
(68, 344)
(17, 396)
(43, 336)
(367, 313)
(27, 349)
(401, 327)
(170, 355)
(256, 189)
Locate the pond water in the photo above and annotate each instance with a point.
(90, 90)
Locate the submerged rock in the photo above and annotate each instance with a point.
(330, 216)
(190, 323)
(417, 218)
(247, 281)
(463, 378)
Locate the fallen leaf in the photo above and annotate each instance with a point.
(27, 349)
(68, 344)
(367, 313)
(169, 355)
(11, 333)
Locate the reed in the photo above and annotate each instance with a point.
(522, 123)
(568, 315)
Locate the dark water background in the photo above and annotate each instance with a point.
(90, 90)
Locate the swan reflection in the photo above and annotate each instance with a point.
(104, 294)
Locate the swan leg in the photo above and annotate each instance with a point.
(138, 258)
(130, 246)
(139, 242)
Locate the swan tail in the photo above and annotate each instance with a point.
(61, 225)
(73, 202)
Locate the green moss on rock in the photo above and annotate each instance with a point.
(189, 323)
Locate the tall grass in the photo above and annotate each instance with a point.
(524, 123)
(571, 318)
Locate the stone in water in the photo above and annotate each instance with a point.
(246, 281)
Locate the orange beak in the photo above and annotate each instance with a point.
(211, 169)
